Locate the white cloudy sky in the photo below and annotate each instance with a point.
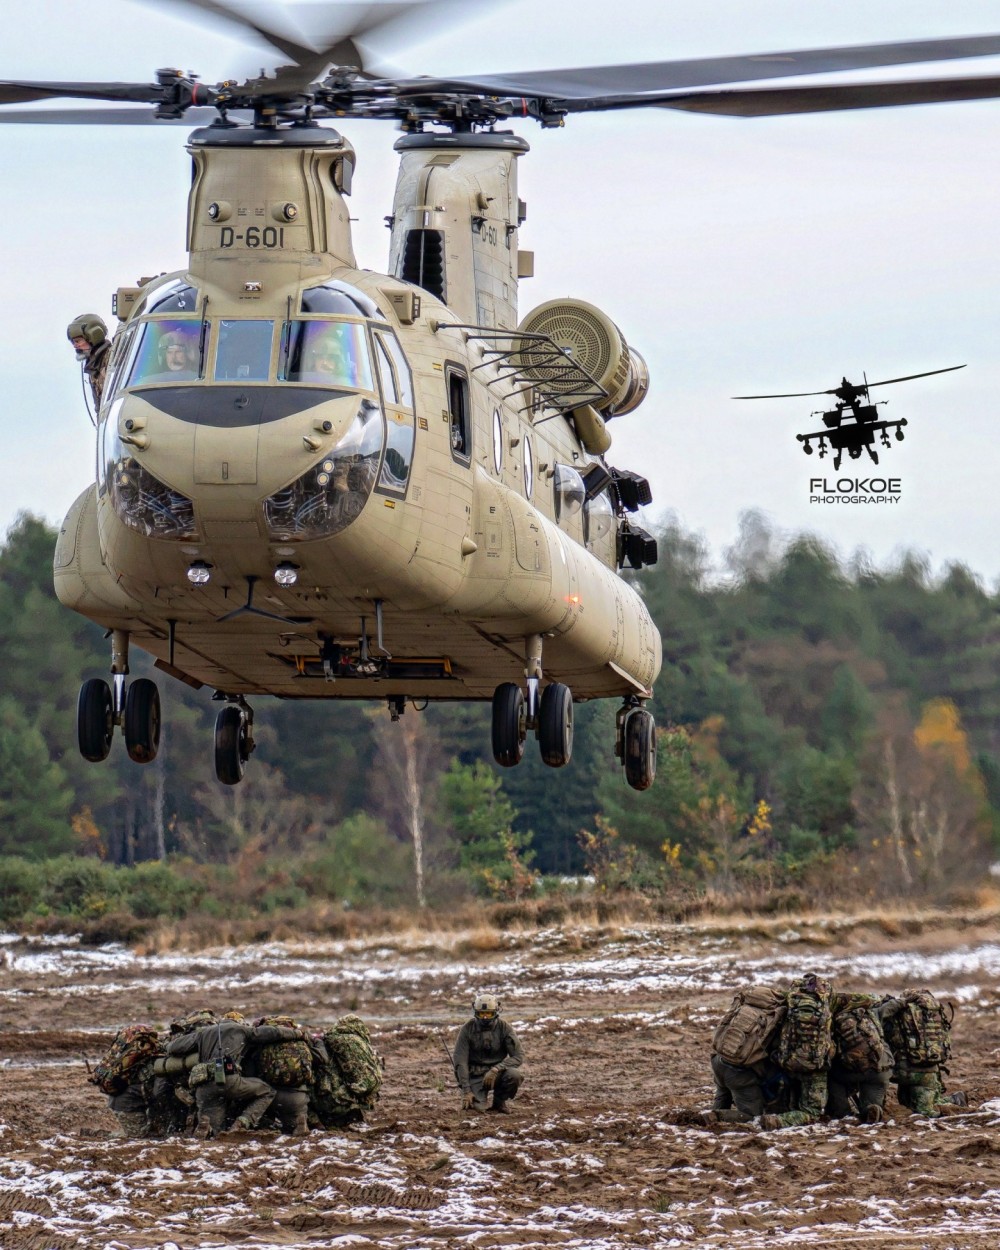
(738, 256)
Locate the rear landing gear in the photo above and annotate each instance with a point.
(636, 744)
(548, 712)
(233, 741)
(135, 709)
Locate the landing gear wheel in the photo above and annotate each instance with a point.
(555, 725)
(141, 722)
(509, 729)
(95, 719)
(231, 745)
(640, 749)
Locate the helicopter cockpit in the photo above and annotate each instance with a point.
(339, 344)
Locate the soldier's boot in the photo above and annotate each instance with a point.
(243, 1124)
(729, 1116)
(301, 1126)
(873, 1115)
(770, 1122)
(960, 1099)
(204, 1130)
(499, 1105)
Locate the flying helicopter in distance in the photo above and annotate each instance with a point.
(381, 486)
(856, 433)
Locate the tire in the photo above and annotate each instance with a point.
(508, 724)
(141, 723)
(95, 719)
(555, 725)
(230, 745)
(640, 749)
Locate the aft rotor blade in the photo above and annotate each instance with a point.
(630, 82)
(910, 376)
(787, 395)
(777, 101)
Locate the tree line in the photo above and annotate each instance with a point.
(826, 729)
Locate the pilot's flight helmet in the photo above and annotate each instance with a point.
(486, 1007)
(88, 326)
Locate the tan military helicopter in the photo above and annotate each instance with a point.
(318, 481)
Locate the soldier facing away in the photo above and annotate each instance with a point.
(488, 1057)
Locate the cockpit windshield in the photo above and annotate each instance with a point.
(332, 353)
(167, 351)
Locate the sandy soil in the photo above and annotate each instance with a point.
(616, 1026)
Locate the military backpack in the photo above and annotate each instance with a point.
(285, 1065)
(132, 1047)
(920, 1033)
(859, 1040)
(806, 1042)
(355, 1060)
(746, 1032)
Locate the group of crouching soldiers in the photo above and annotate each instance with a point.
(788, 1057)
(213, 1074)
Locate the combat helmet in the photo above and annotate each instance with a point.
(88, 326)
(486, 1007)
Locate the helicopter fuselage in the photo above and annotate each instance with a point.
(314, 480)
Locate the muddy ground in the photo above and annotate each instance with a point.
(616, 1026)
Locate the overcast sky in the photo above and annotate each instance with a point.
(738, 256)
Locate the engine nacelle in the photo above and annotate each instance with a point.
(597, 345)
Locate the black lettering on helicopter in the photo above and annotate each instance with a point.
(488, 234)
(254, 236)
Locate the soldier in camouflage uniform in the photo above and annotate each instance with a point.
(287, 1066)
(488, 1057)
(89, 336)
(755, 1089)
(347, 1074)
(919, 1085)
(866, 1087)
(218, 1079)
(808, 1086)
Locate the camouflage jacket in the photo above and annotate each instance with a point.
(478, 1049)
(96, 369)
(234, 1038)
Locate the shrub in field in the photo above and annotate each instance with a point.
(22, 884)
(359, 862)
(156, 889)
(82, 887)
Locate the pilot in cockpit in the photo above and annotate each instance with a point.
(177, 356)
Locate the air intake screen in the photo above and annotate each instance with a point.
(423, 260)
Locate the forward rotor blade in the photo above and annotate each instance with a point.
(621, 82)
(106, 117)
(910, 376)
(23, 92)
(775, 101)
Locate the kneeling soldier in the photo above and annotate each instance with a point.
(487, 1057)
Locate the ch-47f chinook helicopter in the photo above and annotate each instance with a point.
(318, 481)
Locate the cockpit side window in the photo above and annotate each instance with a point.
(397, 394)
(168, 350)
(339, 299)
(404, 378)
(243, 353)
(330, 353)
(176, 296)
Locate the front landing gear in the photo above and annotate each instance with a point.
(549, 714)
(233, 741)
(635, 744)
(136, 709)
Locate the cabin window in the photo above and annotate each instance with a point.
(398, 452)
(569, 492)
(459, 415)
(244, 351)
(339, 299)
(529, 468)
(497, 440)
(333, 353)
(175, 296)
(167, 351)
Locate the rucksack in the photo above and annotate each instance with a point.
(132, 1047)
(920, 1034)
(745, 1033)
(356, 1064)
(806, 1042)
(285, 1065)
(859, 1040)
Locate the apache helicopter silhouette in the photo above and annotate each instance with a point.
(857, 433)
(381, 485)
